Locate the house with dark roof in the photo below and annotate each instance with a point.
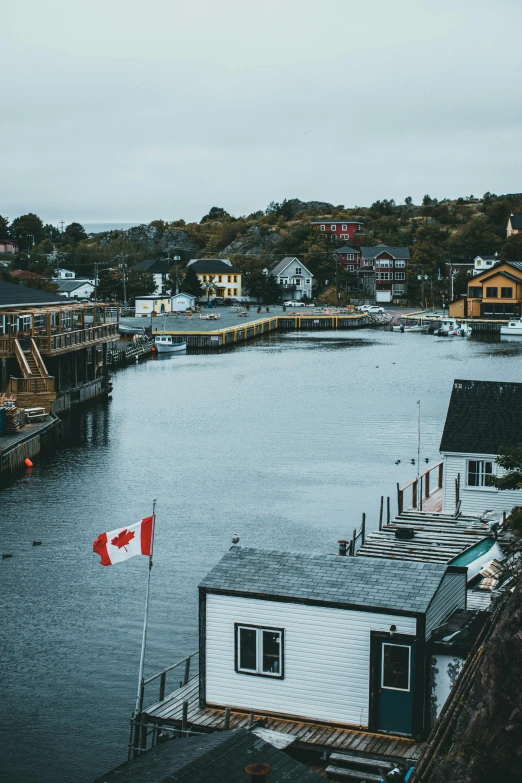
(8, 246)
(158, 268)
(79, 288)
(482, 263)
(495, 293)
(514, 224)
(348, 258)
(383, 271)
(222, 757)
(324, 638)
(294, 278)
(483, 417)
(218, 277)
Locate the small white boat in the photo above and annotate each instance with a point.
(164, 344)
(450, 327)
(410, 325)
(513, 328)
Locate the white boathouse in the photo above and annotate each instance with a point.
(341, 640)
(483, 417)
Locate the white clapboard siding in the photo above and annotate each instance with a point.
(326, 658)
(451, 595)
(475, 500)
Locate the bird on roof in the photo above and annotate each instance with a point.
(235, 538)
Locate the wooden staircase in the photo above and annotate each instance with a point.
(36, 389)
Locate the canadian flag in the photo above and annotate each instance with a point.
(126, 542)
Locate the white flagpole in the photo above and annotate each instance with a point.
(144, 637)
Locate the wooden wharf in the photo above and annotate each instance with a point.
(179, 713)
(27, 443)
(240, 333)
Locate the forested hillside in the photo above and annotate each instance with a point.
(435, 231)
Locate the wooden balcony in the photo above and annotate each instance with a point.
(58, 341)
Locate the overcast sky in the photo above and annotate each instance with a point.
(126, 110)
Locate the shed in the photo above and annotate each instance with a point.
(323, 637)
(146, 305)
(183, 301)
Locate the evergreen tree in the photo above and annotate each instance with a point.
(191, 283)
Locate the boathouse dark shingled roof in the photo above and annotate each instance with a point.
(516, 221)
(216, 758)
(482, 417)
(363, 582)
(19, 295)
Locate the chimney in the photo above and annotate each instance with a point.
(258, 772)
(342, 547)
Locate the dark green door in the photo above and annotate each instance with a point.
(395, 665)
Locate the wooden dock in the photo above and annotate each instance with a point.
(170, 713)
(229, 336)
(27, 444)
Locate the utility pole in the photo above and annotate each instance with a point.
(62, 224)
(95, 281)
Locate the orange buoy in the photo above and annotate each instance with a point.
(28, 463)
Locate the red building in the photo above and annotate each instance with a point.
(339, 229)
(383, 271)
(348, 257)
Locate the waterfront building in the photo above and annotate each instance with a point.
(218, 277)
(182, 302)
(383, 271)
(153, 305)
(339, 229)
(294, 278)
(340, 640)
(495, 293)
(514, 224)
(483, 417)
(53, 354)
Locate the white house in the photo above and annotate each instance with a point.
(158, 268)
(63, 274)
(146, 305)
(182, 302)
(295, 279)
(75, 289)
(483, 416)
(324, 637)
(481, 263)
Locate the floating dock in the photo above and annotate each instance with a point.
(215, 339)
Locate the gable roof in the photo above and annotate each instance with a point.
(344, 222)
(513, 264)
(66, 286)
(486, 258)
(215, 265)
(158, 265)
(356, 582)
(502, 273)
(286, 261)
(396, 252)
(220, 757)
(483, 416)
(347, 249)
(516, 221)
(18, 296)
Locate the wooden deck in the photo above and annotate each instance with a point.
(310, 736)
(437, 538)
(433, 504)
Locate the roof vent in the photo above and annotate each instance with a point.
(258, 772)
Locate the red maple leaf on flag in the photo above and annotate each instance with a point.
(123, 538)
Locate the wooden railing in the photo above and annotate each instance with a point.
(64, 340)
(32, 385)
(421, 487)
(22, 360)
(162, 676)
(38, 359)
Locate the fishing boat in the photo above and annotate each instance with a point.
(450, 327)
(163, 343)
(513, 328)
(410, 325)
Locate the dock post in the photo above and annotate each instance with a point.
(184, 716)
(380, 512)
(163, 681)
(400, 501)
(388, 515)
(226, 724)
(187, 671)
(354, 538)
(363, 528)
(441, 468)
(251, 720)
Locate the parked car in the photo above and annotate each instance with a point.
(232, 302)
(293, 303)
(217, 301)
(370, 309)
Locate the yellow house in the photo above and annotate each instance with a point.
(495, 293)
(218, 277)
(514, 224)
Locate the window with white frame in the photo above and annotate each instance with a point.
(39, 321)
(308, 280)
(298, 271)
(384, 275)
(66, 320)
(259, 650)
(367, 262)
(24, 323)
(478, 471)
(400, 275)
(344, 227)
(322, 228)
(350, 267)
(3, 325)
(349, 256)
(345, 236)
(400, 264)
(333, 227)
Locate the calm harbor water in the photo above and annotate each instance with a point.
(285, 442)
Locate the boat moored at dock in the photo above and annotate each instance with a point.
(512, 328)
(451, 327)
(164, 343)
(410, 325)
